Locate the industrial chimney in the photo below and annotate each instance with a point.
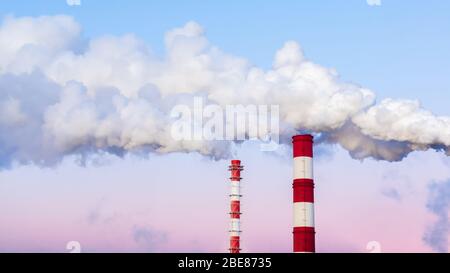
(303, 187)
(235, 212)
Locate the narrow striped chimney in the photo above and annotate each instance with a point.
(303, 188)
(235, 212)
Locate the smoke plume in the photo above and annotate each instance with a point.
(436, 236)
(62, 94)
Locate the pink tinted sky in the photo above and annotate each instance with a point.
(179, 203)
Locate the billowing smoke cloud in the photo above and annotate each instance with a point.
(61, 94)
(436, 236)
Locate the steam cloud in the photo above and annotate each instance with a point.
(61, 94)
(436, 236)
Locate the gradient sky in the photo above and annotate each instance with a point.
(178, 202)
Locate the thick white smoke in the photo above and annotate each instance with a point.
(61, 94)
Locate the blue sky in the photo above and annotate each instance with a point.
(398, 49)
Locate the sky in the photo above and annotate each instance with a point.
(178, 202)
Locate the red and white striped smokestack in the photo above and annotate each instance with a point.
(303, 187)
(235, 212)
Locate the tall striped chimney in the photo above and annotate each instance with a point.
(303, 187)
(235, 212)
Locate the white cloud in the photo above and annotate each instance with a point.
(27, 43)
(11, 113)
(115, 95)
